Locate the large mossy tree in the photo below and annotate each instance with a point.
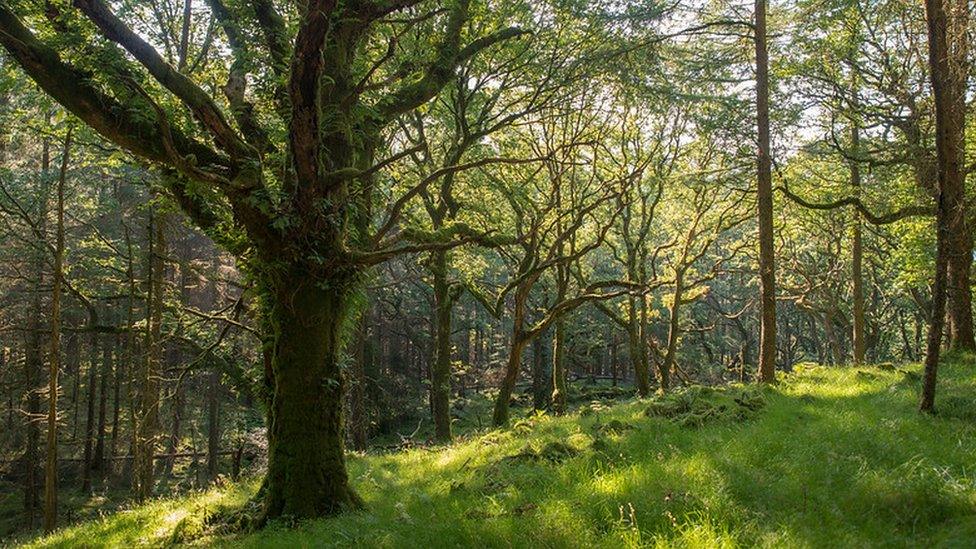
(279, 165)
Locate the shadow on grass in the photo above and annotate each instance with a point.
(835, 459)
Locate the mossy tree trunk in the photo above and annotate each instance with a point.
(440, 387)
(306, 452)
(674, 330)
(637, 347)
(320, 59)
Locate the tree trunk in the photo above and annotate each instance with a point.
(440, 386)
(213, 423)
(306, 460)
(34, 355)
(937, 318)
(959, 267)
(637, 347)
(357, 393)
(116, 397)
(541, 374)
(614, 358)
(72, 359)
(674, 329)
(502, 402)
(86, 468)
(837, 356)
(857, 260)
(559, 367)
(948, 51)
(98, 460)
(147, 401)
(51, 465)
(176, 425)
(767, 272)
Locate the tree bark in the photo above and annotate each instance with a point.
(674, 330)
(116, 397)
(767, 271)
(948, 52)
(51, 465)
(358, 433)
(541, 374)
(34, 355)
(86, 468)
(147, 400)
(857, 260)
(306, 459)
(213, 423)
(559, 367)
(98, 459)
(637, 346)
(503, 401)
(440, 387)
(959, 268)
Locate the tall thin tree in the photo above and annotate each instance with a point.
(764, 197)
(51, 465)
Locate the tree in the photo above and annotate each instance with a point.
(764, 201)
(51, 466)
(296, 217)
(948, 65)
(562, 212)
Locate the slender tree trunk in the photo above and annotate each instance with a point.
(213, 423)
(440, 387)
(357, 390)
(541, 374)
(559, 367)
(34, 356)
(937, 319)
(86, 468)
(98, 460)
(767, 271)
(674, 330)
(306, 459)
(857, 259)
(614, 358)
(116, 397)
(72, 360)
(637, 346)
(51, 466)
(147, 400)
(4, 358)
(176, 426)
(502, 402)
(948, 51)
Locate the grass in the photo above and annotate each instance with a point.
(832, 457)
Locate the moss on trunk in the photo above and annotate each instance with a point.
(306, 457)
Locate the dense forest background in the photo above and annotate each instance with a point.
(500, 207)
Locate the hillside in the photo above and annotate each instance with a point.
(829, 458)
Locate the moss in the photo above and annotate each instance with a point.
(696, 405)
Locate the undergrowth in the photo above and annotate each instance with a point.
(831, 457)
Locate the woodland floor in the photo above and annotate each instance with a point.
(831, 457)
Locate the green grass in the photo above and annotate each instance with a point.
(835, 458)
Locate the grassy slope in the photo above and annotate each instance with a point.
(837, 458)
